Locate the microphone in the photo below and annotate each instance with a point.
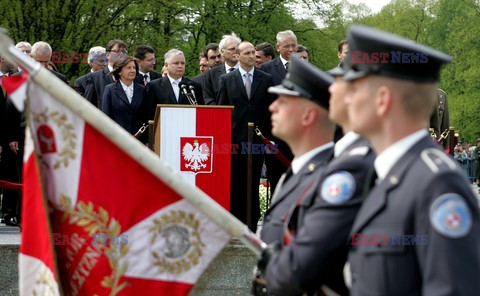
(192, 91)
(183, 88)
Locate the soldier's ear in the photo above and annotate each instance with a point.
(383, 100)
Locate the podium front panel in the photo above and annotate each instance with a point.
(196, 142)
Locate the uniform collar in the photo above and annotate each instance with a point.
(299, 162)
(388, 158)
(344, 142)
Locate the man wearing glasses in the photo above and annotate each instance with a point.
(116, 49)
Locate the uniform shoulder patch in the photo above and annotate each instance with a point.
(450, 215)
(436, 159)
(363, 150)
(338, 188)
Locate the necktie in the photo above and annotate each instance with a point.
(283, 179)
(176, 89)
(231, 69)
(286, 66)
(369, 182)
(248, 84)
(146, 79)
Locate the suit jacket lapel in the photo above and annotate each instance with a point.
(256, 81)
(280, 67)
(377, 198)
(240, 85)
(121, 93)
(106, 74)
(170, 94)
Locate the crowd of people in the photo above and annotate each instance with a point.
(363, 167)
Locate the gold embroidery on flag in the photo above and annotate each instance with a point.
(84, 215)
(183, 244)
(68, 135)
(45, 281)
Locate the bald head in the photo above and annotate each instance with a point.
(246, 55)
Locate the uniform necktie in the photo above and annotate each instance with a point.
(248, 84)
(231, 69)
(369, 182)
(286, 66)
(283, 179)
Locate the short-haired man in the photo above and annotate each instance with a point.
(202, 63)
(214, 59)
(286, 46)
(325, 198)
(228, 46)
(170, 89)
(246, 89)
(342, 51)
(264, 52)
(97, 60)
(417, 230)
(146, 63)
(96, 82)
(302, 52)
(24, 47)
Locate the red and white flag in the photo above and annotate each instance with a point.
(16, 87)
(117, 228)
(199, 147)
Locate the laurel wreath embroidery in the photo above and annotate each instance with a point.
(99, 222)
(67, 132)
(45, 280)
(183, 264)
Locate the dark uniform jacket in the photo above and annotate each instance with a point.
(426, 198)
(80, 84)
(291, 190)
(317, 253)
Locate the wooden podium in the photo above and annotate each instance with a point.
(196, 141)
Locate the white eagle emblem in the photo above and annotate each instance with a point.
(195, 155)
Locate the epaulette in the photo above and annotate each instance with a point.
(437, 160)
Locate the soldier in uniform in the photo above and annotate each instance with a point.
(440, 117)
(318, 223)
(422, 206)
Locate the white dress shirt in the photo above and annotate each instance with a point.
(299, 162)
(284, 61)
(243, 72)
(344, 142)
(390, 156)
(128, 90)
(175, 85)
(227, 67)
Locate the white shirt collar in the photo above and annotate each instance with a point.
(284, 61)
(344, 142)
(125, 87)
(299, 162)
(148, 74)
(227, 67)
(110, 68)
(390, 156)
(242, 72)
(176, 80)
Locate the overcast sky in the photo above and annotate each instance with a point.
(375, 5)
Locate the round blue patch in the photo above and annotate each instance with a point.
(450, 215)
(338, 188)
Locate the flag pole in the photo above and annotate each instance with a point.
(132, 147)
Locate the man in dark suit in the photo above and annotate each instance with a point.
(286, 46)
(313, 236)
(228, 46)
(97, 60)
(96, 82)
(169, 89)
(146, 63)
(246, 90)
(422, 203)
(214, 59)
